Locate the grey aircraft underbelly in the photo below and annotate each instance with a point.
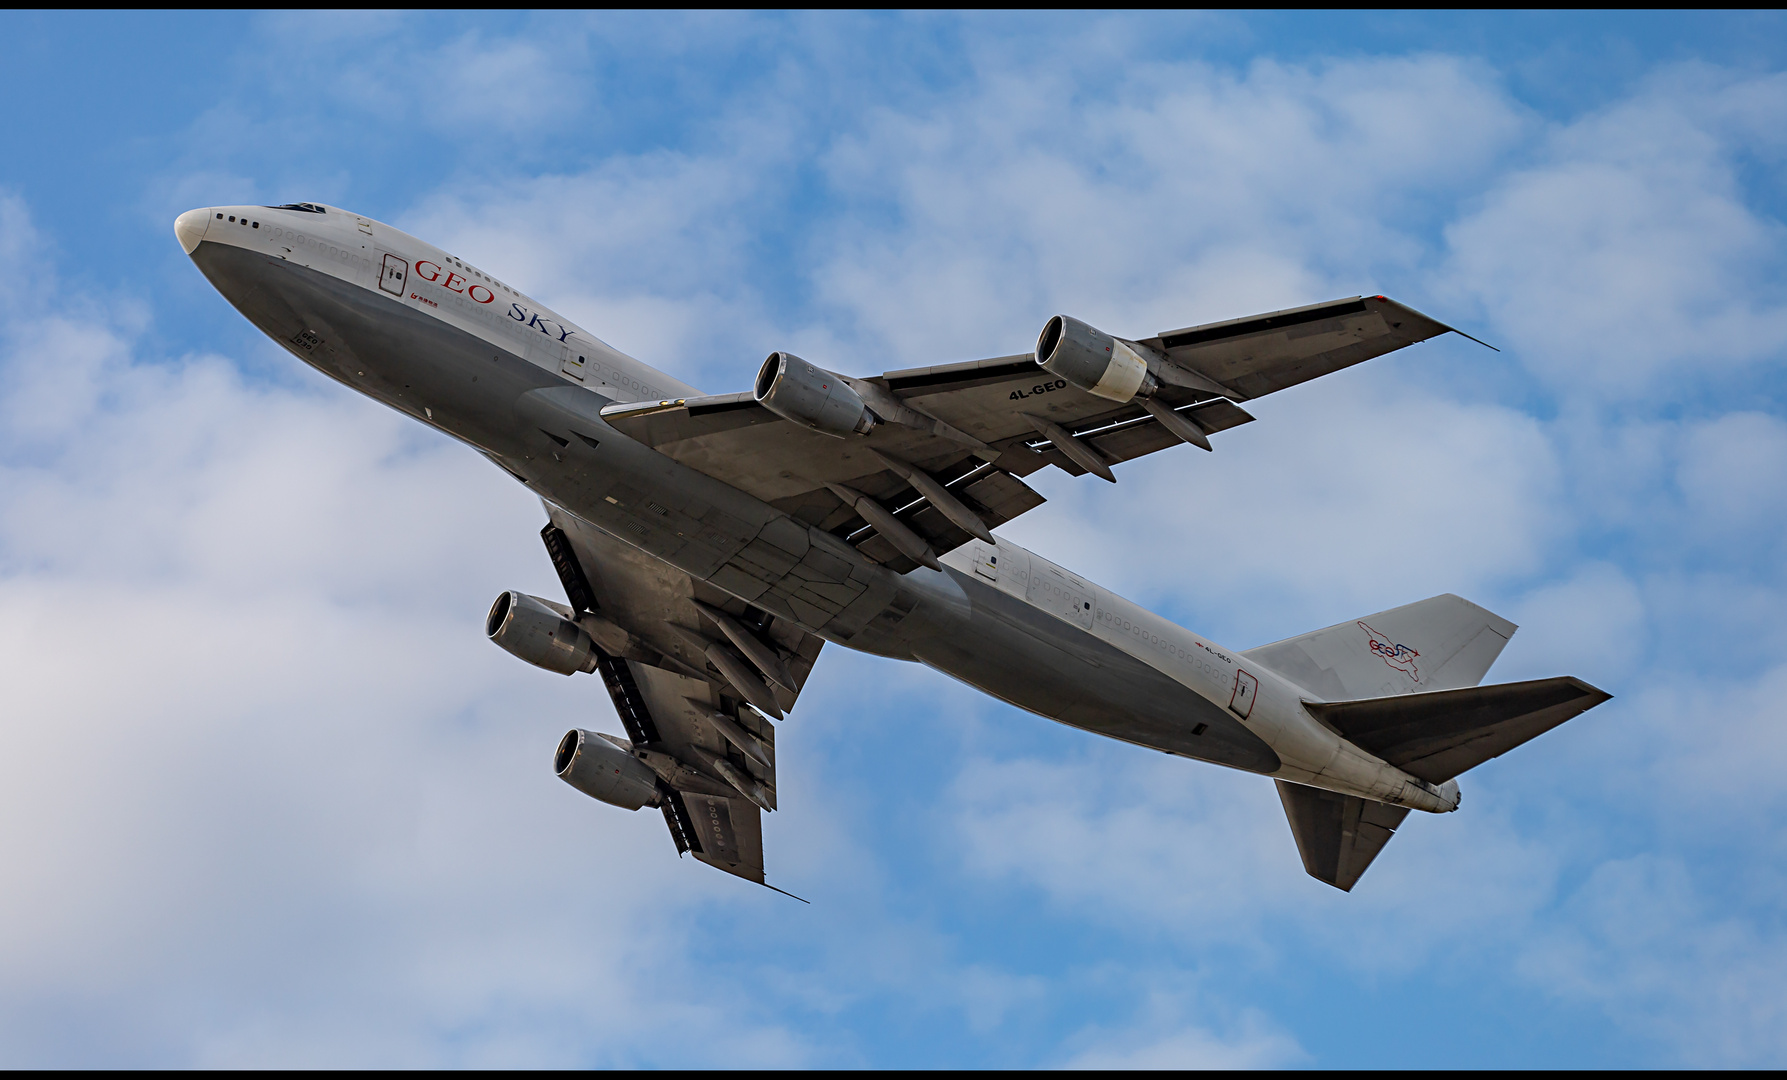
(710, 545)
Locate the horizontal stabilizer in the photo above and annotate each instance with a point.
(1440, 735)
(1337, 835)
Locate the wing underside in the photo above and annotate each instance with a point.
(713, 752)
(971, 427)
(1437, 736)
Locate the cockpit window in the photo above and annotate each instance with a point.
(308, 208)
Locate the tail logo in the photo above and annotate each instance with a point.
(1400, 657)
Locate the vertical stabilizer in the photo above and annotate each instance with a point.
(1441, 643)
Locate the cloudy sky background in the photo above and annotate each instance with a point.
(267, 797)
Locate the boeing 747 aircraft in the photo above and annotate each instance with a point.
(709, 545)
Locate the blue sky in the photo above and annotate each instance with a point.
(267, 798)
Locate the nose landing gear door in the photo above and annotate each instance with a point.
(395, 274)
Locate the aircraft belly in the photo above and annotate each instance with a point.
(438, 373)
(1043, 664)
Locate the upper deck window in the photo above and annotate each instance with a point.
(308, 208)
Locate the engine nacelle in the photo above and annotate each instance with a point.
(538, 632)
(603, 769)
(810, 396)
(1092, 360)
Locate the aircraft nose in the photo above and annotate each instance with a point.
(190, 228)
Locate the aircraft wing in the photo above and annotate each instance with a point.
(714, 753)
(968, 426)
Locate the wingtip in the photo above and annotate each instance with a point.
(1478, 340)
(785, 892)
(1436, 322)
(1591, 690)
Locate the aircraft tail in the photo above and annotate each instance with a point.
(1402, 685)
(1433, 736)
(1441, 643)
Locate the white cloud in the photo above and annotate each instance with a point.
(1626, 260)
(491, 88)
(1592, 625)
(1170, 195)
(1256, 1043)
(1733, 478)
(1635, 928)
(1718, 747)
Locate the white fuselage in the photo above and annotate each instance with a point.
(1217, 682)
(1270, 705)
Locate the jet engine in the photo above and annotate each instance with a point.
(1093, 360)
(600, 767)
(811, 396)
(539, 632)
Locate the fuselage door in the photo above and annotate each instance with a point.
(1247, 688)
(395, 274)
(986, 562)
(1060, 594)
(571, 364)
